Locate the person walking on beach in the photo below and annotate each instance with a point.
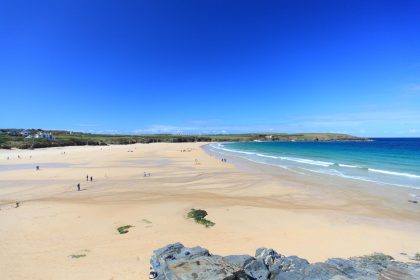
(91, 178)
(37, 167)
(78, 187)
(87, 177)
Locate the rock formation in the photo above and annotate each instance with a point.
(176, 262)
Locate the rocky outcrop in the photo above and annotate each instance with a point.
(176, 262)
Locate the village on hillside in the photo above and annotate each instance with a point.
(29, 134)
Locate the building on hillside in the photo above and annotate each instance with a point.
(44, 135)
(24, 132)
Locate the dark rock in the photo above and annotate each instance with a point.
(203, 267)
(239, 260)
(267, 255)
(292, 263)
(321, 271)
(297, 268)
(345, 266)
(271, 258)
(257, 270)
(398, 272)
(289, 275)
(176, 262)
(372, 265)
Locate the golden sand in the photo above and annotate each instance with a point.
(54, 221)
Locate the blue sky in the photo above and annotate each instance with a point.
(211, 66)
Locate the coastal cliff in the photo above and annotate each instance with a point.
(175, 261)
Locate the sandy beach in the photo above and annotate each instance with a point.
(251, 208)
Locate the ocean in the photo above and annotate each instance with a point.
(389, 161)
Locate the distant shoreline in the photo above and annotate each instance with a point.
(299, 166)
(36, 138)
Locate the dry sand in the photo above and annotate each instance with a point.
(250, 209)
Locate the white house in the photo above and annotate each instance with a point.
(24, 132)
(44, 135)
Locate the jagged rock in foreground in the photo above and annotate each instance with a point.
(176, 262)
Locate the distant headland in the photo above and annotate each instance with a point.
(39, 138)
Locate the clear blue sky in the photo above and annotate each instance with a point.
(211, 66)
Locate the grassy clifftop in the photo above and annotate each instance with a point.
(65, 138)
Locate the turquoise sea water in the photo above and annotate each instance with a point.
(391, 161)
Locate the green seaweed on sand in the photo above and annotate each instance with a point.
(124, 229)
(199, 216)
(78, 256)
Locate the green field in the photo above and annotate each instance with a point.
(66, 138)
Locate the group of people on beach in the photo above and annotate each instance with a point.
(8, 158)
(146, 174)
(18, 156)
(87, 179)
(224, 160)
